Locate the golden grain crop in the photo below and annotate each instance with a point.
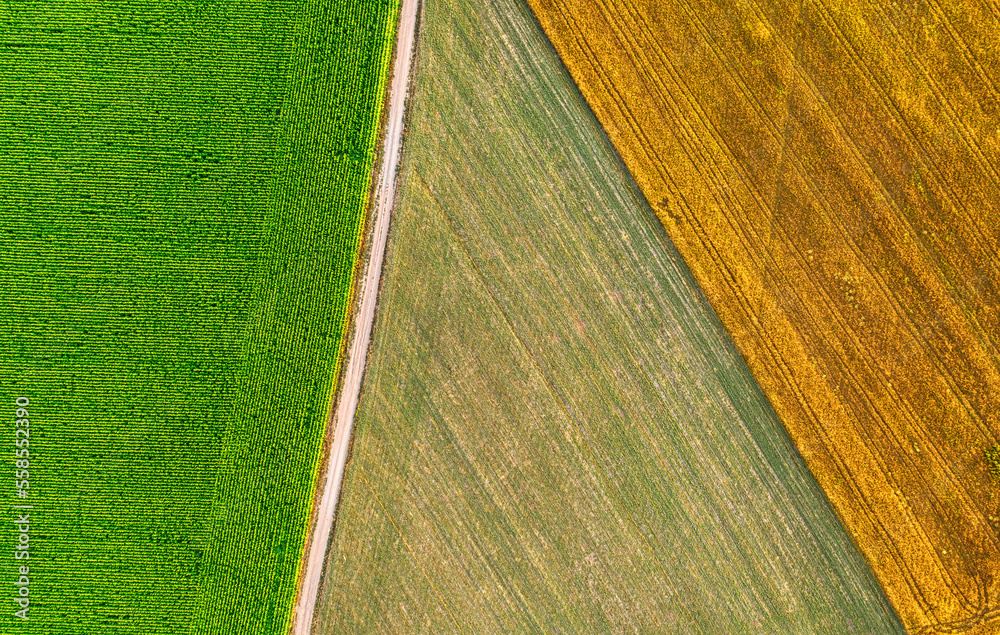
(829, 172)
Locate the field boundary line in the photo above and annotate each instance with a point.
(598, 71)
(681, 130)
(756, 196)
(315, 554)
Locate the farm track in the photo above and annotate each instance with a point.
(347, 401)
(829, 174)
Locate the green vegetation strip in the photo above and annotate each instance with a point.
(182, 188)
(555, 434)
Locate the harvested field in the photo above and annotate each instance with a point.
(554, 433)
(828, 170)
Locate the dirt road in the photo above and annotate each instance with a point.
(363, 320)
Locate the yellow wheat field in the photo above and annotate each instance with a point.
(829, 172)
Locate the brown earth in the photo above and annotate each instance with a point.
(829, 172)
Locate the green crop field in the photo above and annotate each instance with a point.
(182, 194)
(555, 434)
